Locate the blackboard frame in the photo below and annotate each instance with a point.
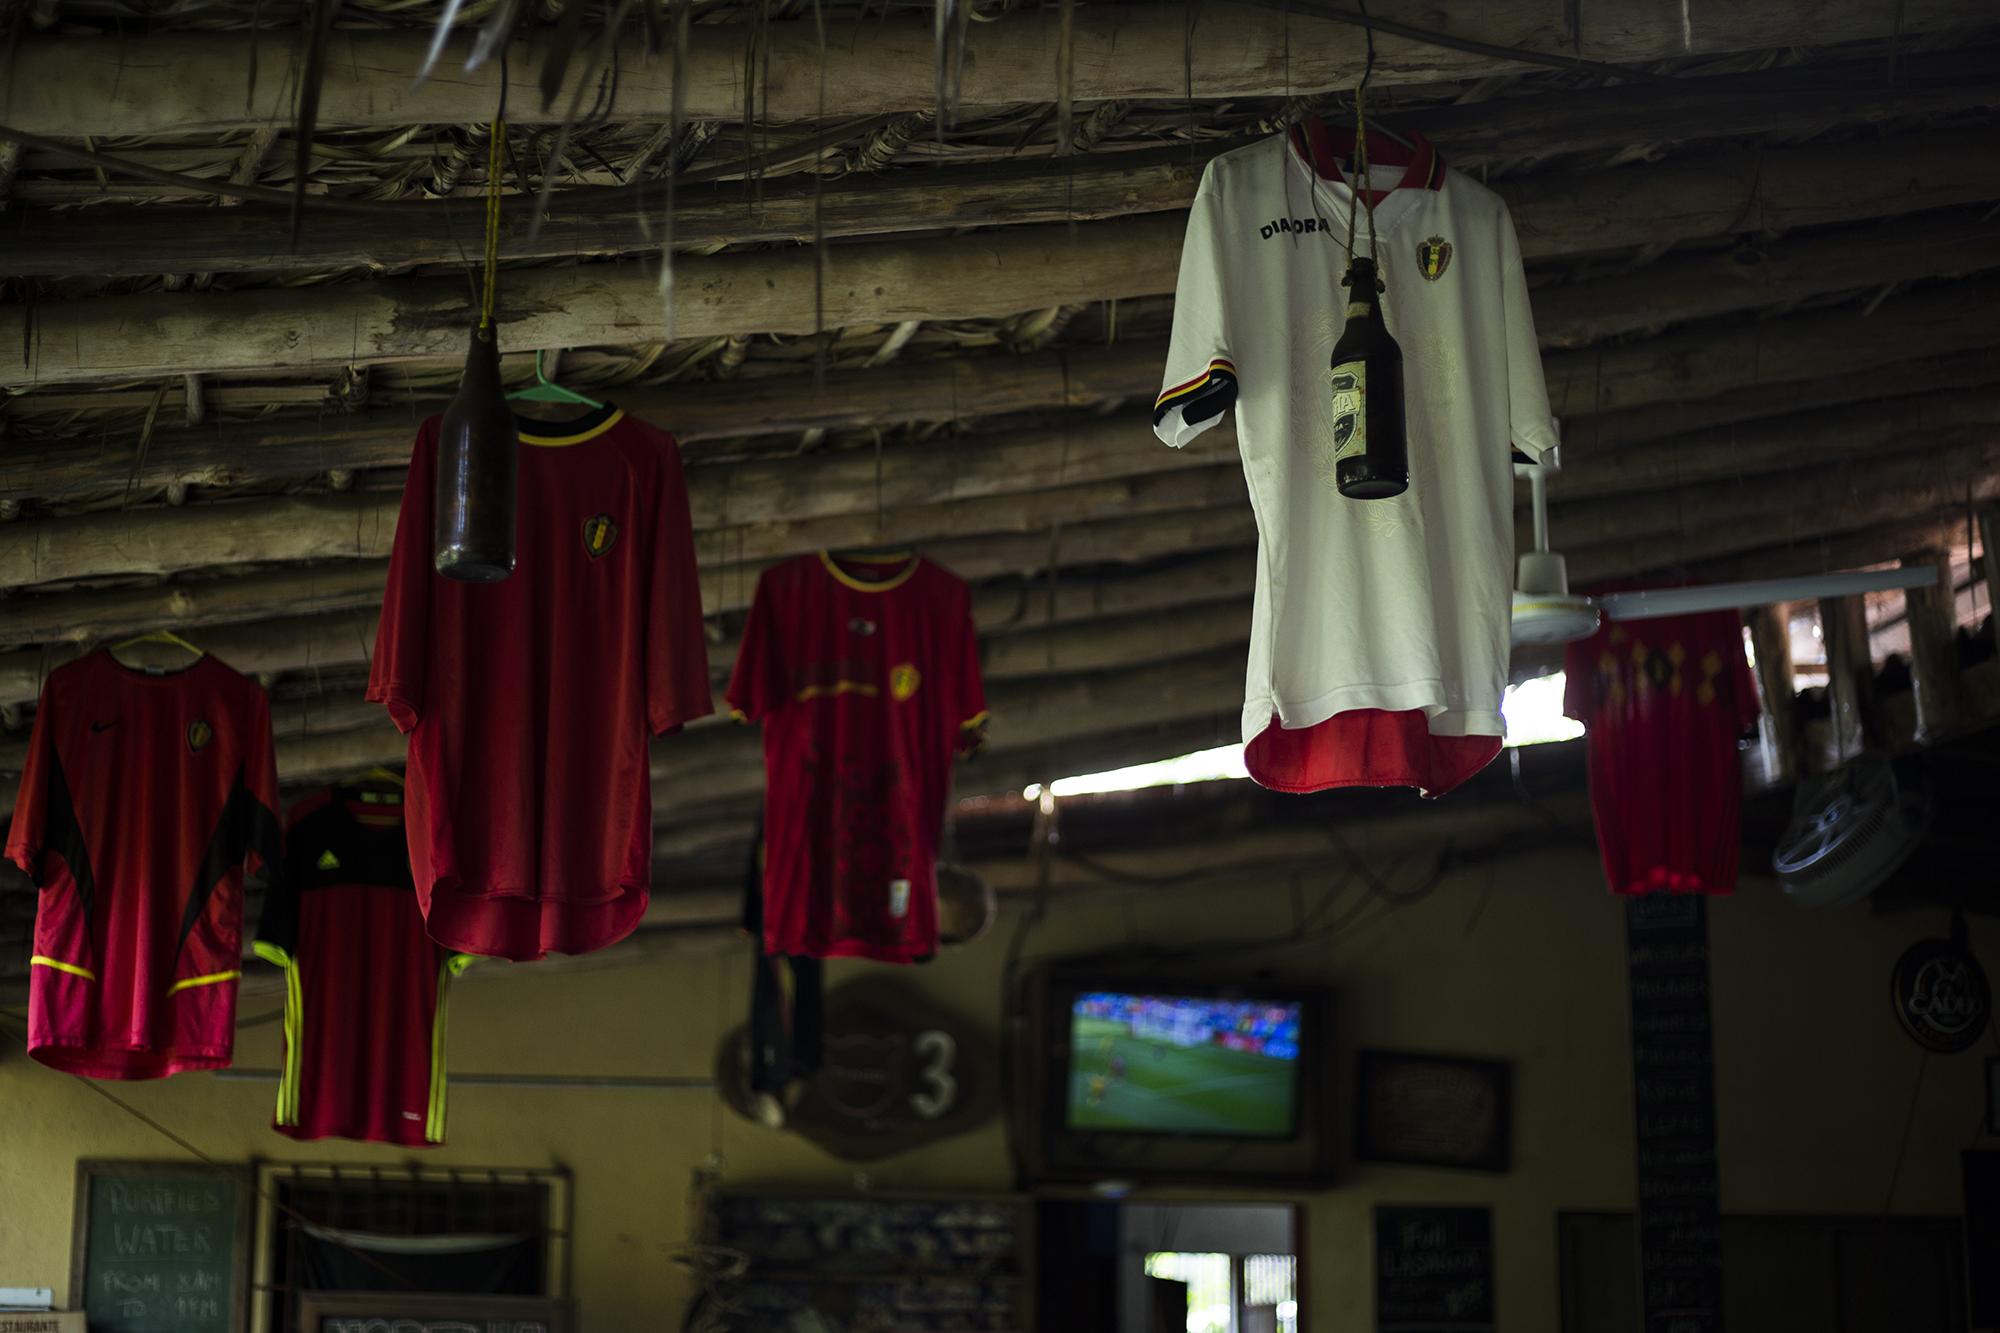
(317, 1305)
(79, 1262)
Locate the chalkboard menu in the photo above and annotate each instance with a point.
(160, 1247)
(1433, 1269)
(876, 1265)
(1673, 1067)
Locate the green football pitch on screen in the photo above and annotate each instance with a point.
(1161, 1065)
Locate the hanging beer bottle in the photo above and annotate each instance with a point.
(1371, 456)
(477, 462)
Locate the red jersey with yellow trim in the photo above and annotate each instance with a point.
(1664, 701)
(365, 987)
(529, 702)
(143, 796)
(865, 676)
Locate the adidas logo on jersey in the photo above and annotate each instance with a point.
(327, 860)
(1306, 226)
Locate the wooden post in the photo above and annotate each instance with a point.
(1931, 616)
(1850, 668)
(1770, 632)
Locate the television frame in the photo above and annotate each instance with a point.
(1055, 1151)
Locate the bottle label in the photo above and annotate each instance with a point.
(1348, 385)
(1356, 309)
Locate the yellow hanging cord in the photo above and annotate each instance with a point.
(496, 145)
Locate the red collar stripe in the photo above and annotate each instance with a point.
(1326, 149)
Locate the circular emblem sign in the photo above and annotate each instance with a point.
(1941, 995)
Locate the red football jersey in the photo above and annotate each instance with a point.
(143, 795)
(865, 676)
(365, 987)
(1665, 701)
(529, 702)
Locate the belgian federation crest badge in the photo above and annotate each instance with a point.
(903, 681)
(599, 532)
(199, 734)
(1433, 257)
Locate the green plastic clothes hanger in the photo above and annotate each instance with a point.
(545, 390)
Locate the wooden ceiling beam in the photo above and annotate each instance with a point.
(1707, 360)
(1704, 194)
(1920, 427)
(1746, 372)
(195, 82)
(1685, 287)
(992, 273)
(1188, 519)
(982, 275)
(766, 508)
(1718, 521)
(1936, 372)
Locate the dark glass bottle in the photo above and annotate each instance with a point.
(1371, 456)
(478, 462)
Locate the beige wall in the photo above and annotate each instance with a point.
(1520, 960)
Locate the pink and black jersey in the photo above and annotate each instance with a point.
(144, 794)
(365, 987)
(865, 676)
(529, 702)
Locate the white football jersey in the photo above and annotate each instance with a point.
(1365, 609)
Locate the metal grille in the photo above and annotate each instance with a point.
(511, 1226)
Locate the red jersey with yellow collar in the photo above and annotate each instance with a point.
(143, 795)
(865, 676)
(529, 702)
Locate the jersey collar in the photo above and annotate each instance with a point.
(1325, 148)
(852, 580)
(555, 434)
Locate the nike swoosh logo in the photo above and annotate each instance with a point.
(96, 727)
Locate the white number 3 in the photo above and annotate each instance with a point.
(940, 1091)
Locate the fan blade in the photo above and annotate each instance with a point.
(1647, 603)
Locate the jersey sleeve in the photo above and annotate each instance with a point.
(1200, 381)
(1532, 425)
(757, 686)
(29, 831)
(969, 696)
(677, 687)
(399, 671)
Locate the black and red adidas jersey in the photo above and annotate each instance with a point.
(365, 987)
(143, 794)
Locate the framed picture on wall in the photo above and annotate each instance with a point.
(1433, 1110)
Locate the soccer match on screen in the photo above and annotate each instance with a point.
(1179, 1064)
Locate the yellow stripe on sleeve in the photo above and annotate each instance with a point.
(43, 960)
(188, 983)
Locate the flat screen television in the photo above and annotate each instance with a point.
(1211, 1065)
(1144, 1078)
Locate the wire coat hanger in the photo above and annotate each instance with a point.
(545, 390)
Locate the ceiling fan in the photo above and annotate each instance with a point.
(1547, 612)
